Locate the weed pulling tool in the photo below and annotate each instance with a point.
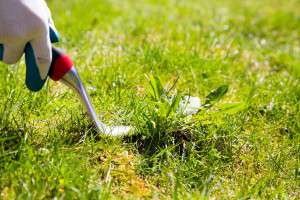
(62, 69)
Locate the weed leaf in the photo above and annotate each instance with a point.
(215, 95)
(232, 108)
(175, 104)
(156, 86)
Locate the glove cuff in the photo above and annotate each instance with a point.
(54, 36)
(1, 51)
(33, 79)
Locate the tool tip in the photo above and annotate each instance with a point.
(116, 130)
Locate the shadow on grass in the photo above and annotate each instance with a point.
(150, 145)
(76, 129)
(11, 140)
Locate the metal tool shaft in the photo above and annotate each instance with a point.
(73, 80)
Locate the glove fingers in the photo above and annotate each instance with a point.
(43, 54)
(54, 36)
(12, 53)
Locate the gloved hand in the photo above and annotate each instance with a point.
(26, 25)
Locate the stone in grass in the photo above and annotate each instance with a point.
(189, 105)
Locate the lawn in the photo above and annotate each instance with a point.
(241, 58)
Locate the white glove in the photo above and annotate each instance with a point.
(24, 22)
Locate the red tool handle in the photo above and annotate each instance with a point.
(61, 64)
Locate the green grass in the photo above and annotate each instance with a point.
(245, 145)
